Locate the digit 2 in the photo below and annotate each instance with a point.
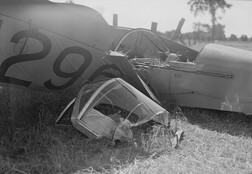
(75, 75)
(7, 63)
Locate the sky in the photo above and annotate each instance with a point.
(167, 13)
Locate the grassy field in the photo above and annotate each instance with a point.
(235, 44)
(213, 141)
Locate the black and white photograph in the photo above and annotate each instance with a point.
(125, 86)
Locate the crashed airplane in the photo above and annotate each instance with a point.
(49, 47)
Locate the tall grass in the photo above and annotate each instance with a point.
(214, 141)
(31, 143)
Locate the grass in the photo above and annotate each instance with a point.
(236, 44)
(31, 143)
(214, 142)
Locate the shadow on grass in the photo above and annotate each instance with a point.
(236, 124)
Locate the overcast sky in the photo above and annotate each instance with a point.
(140, 14)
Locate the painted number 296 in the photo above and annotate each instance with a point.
(46, 48)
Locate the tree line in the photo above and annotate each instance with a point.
(205, 32)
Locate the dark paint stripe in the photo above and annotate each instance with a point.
(1, 23)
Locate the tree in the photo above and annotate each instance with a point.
(209, 6)
(202, 32)
(244, 38)
(70, 1)
(219, 32)
(233, 37)
(169, 34)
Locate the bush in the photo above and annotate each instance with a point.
(244, 38)
(233, 37)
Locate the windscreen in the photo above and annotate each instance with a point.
(141, 43)
(116, 99)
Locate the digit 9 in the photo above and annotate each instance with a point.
(73, 75)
